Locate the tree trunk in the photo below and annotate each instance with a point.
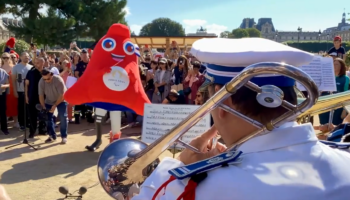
(33, 14)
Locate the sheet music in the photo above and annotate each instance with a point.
(321, 71)
(159, 119)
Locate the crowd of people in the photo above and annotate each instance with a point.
(38, 78)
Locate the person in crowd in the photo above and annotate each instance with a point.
(79, 71)
(162, 80)
(174, 98)
(52, 67)
(64, 74)
(342, 82)
(53, 87)
(146, 56)
(194, 80)
(338, 49)
(150, 79)
(11, 100)
(14, 58)
(75, 60)
(180, 72)
(4, 89)
(201, 97)
(19, 73)
(32, 96)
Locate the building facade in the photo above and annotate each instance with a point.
(4, 31)
(268, 31)
(201, 32)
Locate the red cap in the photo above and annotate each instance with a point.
(12, 51)
(337, 38)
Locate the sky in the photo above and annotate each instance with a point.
(221, 15)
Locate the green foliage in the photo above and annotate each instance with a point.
(240, 33)
(84, 18)
(347, 61)
(162, 27)
(97, 16)
(226, 34)
(21, 46)
(253, 32)
(314, 46)
(50, 29)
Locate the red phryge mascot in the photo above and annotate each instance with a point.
(10, 44)
(111, 81)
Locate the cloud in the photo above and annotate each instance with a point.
(127, 11)
(136, 28)
(191, 26)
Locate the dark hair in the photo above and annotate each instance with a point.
(245, 102)
(45, 72)
(346, 138)
(197, 65)
(342, 71)
(185, 62)
(170, 62)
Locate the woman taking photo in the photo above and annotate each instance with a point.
(4, 86)
(11, 100)
(342, 82)
(161, 82)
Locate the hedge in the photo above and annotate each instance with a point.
(21, 46)
(313, 46)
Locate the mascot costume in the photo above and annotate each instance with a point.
(10, 44)
(111, 81)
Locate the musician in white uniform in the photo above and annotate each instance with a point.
(288, 163)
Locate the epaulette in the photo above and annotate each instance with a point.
(336, 145)
(221, 160)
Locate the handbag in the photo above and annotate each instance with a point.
(161, 89)
(187, 91)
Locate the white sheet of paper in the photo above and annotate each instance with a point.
(70, 81)
(321, 71)
(159, 119)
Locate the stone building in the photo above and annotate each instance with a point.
(201, 32)
(267, 29)
(4, 23)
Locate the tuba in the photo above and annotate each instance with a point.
(125, 163)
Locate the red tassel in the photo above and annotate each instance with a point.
(189, 192)
(163, 186)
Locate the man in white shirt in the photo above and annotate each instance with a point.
(287, 163)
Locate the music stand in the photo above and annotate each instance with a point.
(20, 81)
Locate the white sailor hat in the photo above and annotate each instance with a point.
(225, 58)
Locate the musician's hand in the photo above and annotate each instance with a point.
(201, 143)
(3, 194)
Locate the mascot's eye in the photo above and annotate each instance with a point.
(108, 44)
(129, 48)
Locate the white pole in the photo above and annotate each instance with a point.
(115, 117)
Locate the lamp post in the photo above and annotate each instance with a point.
(299, 31)
(276, 35)
(319, 36)
(327, 41)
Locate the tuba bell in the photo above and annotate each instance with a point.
(125, 163)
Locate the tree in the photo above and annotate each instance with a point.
(253, 32)
(240, 33)
(92, 17)
(226, 34)
(96, 16)
(51, 29)
(162, 27)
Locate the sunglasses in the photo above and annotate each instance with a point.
(5, 58)
(198, 95)
(13, 57)
(147, 59)
(154, 63)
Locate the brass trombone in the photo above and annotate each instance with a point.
(132, 160)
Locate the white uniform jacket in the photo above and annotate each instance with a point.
(288, 163)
